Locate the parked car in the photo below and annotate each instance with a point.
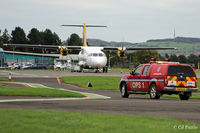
(34, 66)
(59, 65)
(15, 66)
(27, 66)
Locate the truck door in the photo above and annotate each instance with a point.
(134, 81)
(145, 79)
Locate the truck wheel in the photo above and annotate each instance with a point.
(154, 93)
(124, 90)
(185, 96)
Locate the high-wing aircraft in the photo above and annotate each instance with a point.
(90, 57)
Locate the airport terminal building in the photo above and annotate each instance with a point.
(7, 58)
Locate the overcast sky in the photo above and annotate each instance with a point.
(127, 20)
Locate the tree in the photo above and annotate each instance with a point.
(49, 38)
(5, 38)
(56, 39)
(74, 40)
(18, 36)
(193, 59)
(34, 36)
(182, 59)
(46, 37)
(173, 58)
(144, 56)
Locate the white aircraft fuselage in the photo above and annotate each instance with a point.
(92, 58)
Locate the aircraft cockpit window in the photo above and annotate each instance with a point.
(95, 54)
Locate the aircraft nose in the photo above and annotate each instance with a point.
(101, 62)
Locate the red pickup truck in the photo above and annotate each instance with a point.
(158, 78)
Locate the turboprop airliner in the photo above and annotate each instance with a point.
(90, 57)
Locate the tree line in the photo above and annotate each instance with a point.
(46, 37)
(18, 36)
(133, 59)
(192, 59)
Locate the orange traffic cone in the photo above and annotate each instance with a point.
(58, 79)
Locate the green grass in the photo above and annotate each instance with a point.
(39, 92)
(3, 79)
(119, 70)
(43, 121)
(198, 84)
(98, 82)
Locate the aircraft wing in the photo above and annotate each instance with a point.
(42, 46)
(139, 48)
(79, 47)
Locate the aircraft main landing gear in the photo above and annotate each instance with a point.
(105, 69)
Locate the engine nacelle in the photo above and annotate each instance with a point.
(121, 52)
(63, 50)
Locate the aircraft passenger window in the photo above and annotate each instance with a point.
(95, 54)
(100, 54)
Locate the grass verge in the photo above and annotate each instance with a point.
(32, 121)
(119, 70)
(39, 92)
(98, 82)
(3, 79)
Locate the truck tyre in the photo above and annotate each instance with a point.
(124, 90)
(185, 96)
(154, 93)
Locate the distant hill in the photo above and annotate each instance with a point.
(184, 45)
(98, 42)
(178, 40)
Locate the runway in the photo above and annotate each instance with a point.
(135, 105)
(53, 74)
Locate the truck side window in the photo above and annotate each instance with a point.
(138, 70)
(146, 70)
